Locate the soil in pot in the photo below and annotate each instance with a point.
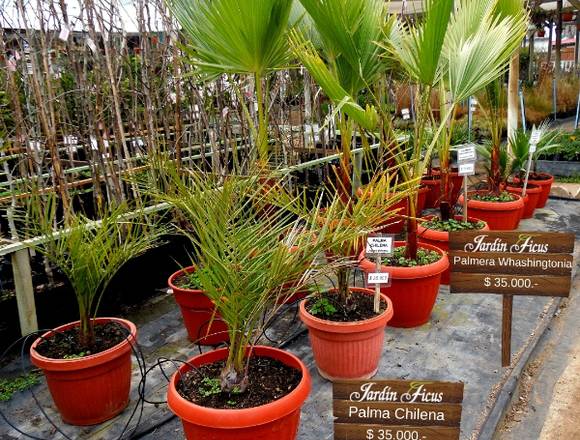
(435, 232)
(269, 380)
(414, 284)
(501, 211)
(357, 308)
(347, 350)
(67, 344)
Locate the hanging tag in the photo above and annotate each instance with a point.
(94, 144)
(467, 169)
(406, 114)
(64, 33)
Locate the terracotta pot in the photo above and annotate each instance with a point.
(541, 33)
(440, 239)
(413, 290)
(567, 16)
(91, 389)
(396, 224)
(347, 350)
(546, 185)
(197, 311)
(533, 194)
(434, 194)
(422, 199)
(499, 216)
(277, 420)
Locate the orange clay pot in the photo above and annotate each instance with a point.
(197, 311)
(277, 420)
(347, 350)
(533, 194)
(440, 239)
(545, 184)
(413, 290)
(91, 389)
(499, 216)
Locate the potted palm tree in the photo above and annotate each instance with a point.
(87, 363)
(245, 390)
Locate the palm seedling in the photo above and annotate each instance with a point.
(238, 37)
(89, 253)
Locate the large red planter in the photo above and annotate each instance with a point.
(440, 239)
(422, 199)
(277, 420)
(91, 389)
(413, 290)
(347, 350)
(197, 311)
(546, 185)
(396, 223)
(499, 216)
(533, 194)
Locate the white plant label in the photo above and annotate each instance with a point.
(535, 137)
(64, 33)
(92, 45)
(406, 114)
(467, 169)
(466, 154)
(533, 148)
(380, 245)
(379, 278)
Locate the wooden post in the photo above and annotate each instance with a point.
(24, 291)
(506, 331)
(377, 302)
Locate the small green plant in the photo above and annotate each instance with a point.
(75, 356)
(503, 196)
(424, 257)
(209, 387)
(452, 225)
(21, 383)
(322, 307)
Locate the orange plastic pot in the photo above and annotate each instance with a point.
(396, 224)
(533, 194)
(277, 420)
(413, 290)
(440, 239)
(197, 311)
(456, 183)
(434, 195)
(422, 199)
(91, 389)
(499, 216)
(546, 185)
(347, 350)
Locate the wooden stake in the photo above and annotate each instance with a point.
(378, 287)
(506, 332)
(24, 291)
(465, 199)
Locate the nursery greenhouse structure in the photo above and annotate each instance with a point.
(289, 219)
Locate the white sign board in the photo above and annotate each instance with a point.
(466, 154)
(467, 169)
(380, 245)
(535, 137)
(379, 278)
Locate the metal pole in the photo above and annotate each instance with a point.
(554, 98)
(522, 107)
(469, 119)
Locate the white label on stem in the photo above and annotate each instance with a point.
(378, 278)
(467, 169)
(466, 154)
(535, 137)
(380, 245)
(406, 114)
(533, 148)
(64, 33)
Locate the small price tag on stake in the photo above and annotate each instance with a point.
(380, 245)
(64, 33)
(533, 148)
(379, 278)
(535, 137)
(467, 169)
(406, 114)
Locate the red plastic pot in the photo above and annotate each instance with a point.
(277, 420)
(546, 185)
(541, 33)
(347, 350)
(197, 311)
(567, 16)
(456, 183)
(396, 223)
(499, 216)
(440, 239)
(422, 199)
(91, 389)
(533, 194)
(434, 195)
(413, 290)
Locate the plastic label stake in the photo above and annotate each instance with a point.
(379, 245)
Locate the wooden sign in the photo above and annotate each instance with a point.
(397, 410)
(511, 263)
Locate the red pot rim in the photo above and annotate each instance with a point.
(432, 234)
(239, 418)
(542, 182)
(430, 180)
(92, 360)
(532, 188)
(348, 327)
(409, 272)
(493, 206)
(185, 270)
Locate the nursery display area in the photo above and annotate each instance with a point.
(287, 219)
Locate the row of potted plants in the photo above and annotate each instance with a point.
(257, 244)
